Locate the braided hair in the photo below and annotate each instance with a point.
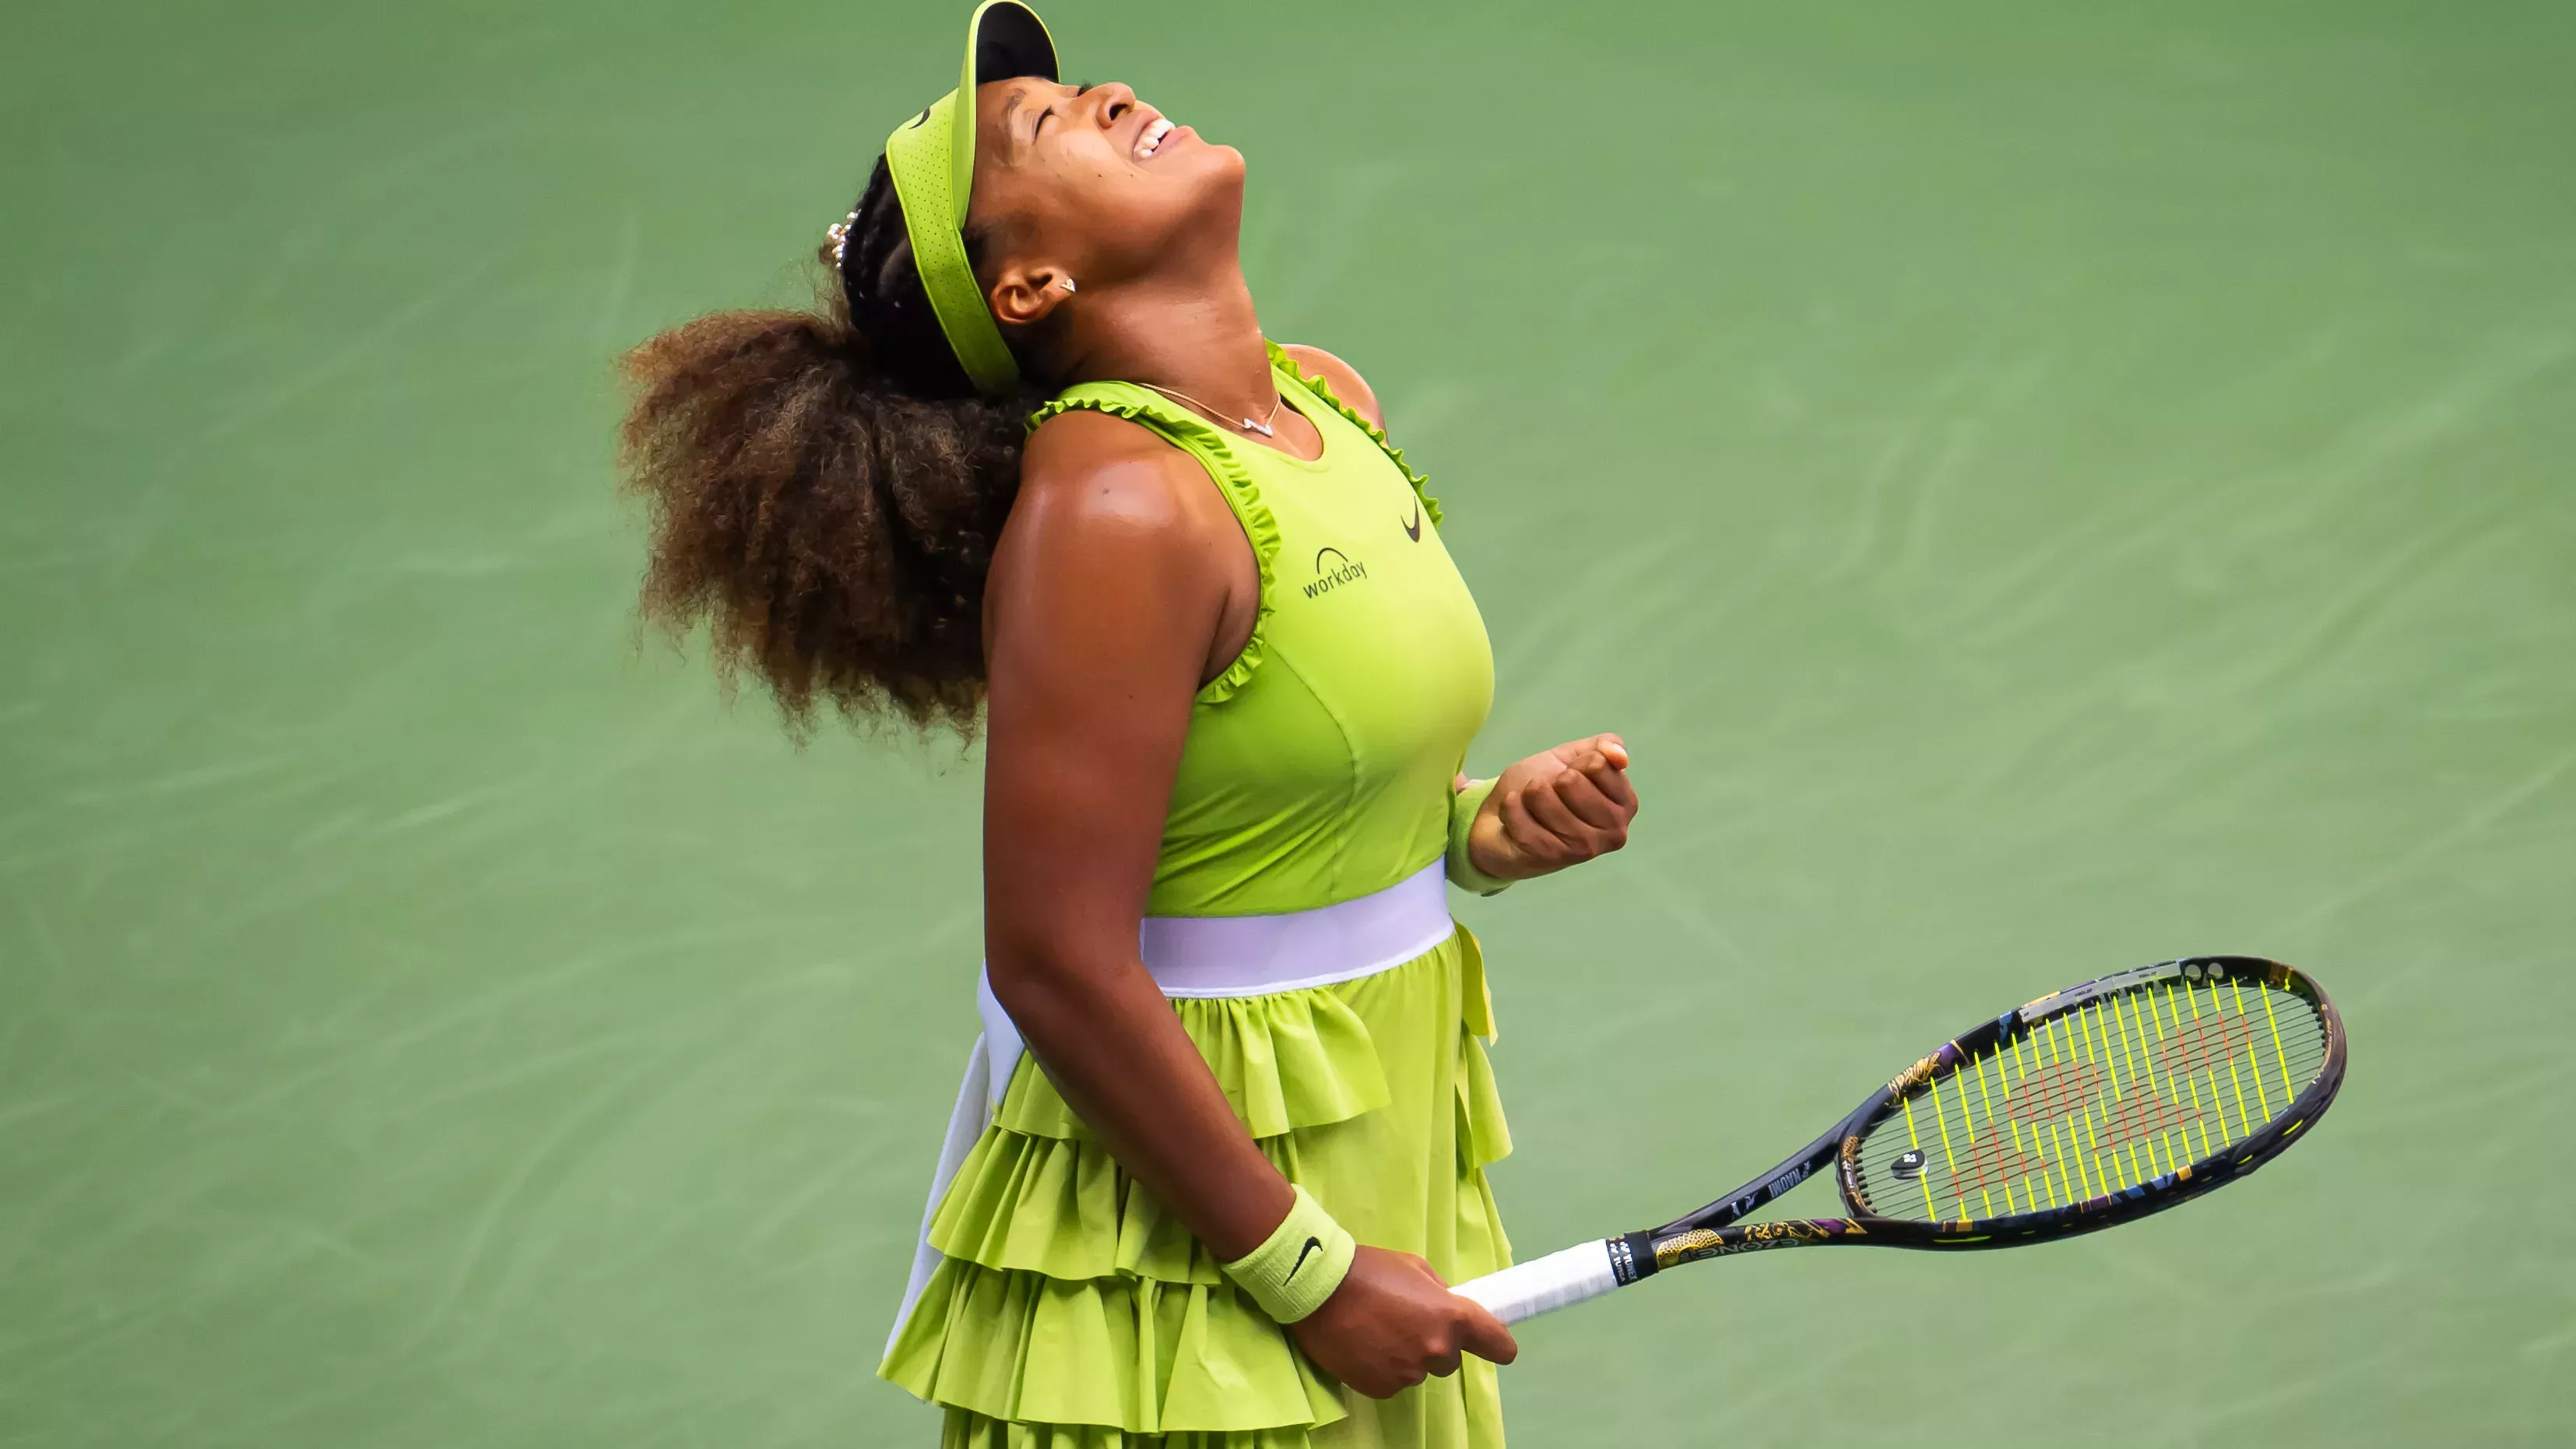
(825, 488)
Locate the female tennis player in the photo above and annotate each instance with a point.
(1032, 463)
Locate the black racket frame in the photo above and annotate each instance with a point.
(1715, 1231)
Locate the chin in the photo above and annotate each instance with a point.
(1218, 174)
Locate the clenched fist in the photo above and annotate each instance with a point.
(1555, 809)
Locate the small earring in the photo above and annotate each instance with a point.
(1065, 282)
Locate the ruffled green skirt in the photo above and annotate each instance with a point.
(1070, 1312)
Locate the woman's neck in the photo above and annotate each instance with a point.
(1196, 335)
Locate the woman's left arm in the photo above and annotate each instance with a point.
(1552, 810)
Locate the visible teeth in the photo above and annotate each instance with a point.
(1152, 140)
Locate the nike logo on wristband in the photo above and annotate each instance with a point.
(1311, 1245)
(1413, 530)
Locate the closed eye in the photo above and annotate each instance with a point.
(1049, 113)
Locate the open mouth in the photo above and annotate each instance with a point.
(1150, 139)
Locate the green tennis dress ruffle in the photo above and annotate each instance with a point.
(1072, 1312)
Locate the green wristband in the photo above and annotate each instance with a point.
(1463, 808)
(1300, 1265)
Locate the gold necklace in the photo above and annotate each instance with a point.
(1248, 425)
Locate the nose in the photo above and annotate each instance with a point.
(1111, 102)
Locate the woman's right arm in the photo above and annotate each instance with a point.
(1106, 601)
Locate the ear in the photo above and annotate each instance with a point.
(1025, 294)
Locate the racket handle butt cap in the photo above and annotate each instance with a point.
(1543, 1285)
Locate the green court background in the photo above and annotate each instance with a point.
(2043, 487)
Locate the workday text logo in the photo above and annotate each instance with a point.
(1333, 569)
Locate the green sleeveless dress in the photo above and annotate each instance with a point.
(1068, 1311)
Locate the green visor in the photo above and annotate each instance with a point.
(932, 160)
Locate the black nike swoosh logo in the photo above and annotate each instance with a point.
(1311, 1245)
(1413, 530)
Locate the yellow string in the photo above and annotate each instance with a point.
(2108, 1060)
(2028, 1151)
(2033, 1043)
(2146, 1003)
(1941, 1119)
(2085, 1166)
(2093, 1031)
(1986, 1097)
(2192, 995)
(2136, 1021)
(2191, 998)
(2093, 1119)
(2172, 1093)
(2131, 1057)
(2124, 1161)
(2253, 1057)
(2177, 1091)
(2130, 1147)
(2289, 1090)
(1921, 1179)
(2051, 1156)
(2082, 1110)
(1986, 1100)
(2155, 1093)
(2244, 1122)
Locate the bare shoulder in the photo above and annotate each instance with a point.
(1087, 465)
(1347, 383)
(1117, 542)
(1099, 493)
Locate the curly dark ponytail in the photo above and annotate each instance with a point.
(826, 489)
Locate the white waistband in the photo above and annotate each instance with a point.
(1208, 956)
(1199, 957)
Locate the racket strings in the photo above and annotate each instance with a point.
(2121, 1091)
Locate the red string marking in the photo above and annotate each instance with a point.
(2063, 1088)
(2055, 1090)
(2136, 1119)
(2202, 1045)
(1993, 1162)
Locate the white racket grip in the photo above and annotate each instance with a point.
(1544, 1285)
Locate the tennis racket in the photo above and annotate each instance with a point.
(2096, 1106)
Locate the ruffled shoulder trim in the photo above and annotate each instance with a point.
(1191, 433)
(1314, 383)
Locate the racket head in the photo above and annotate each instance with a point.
(2100, 1104)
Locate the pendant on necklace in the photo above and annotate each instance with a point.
(1263, 429)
